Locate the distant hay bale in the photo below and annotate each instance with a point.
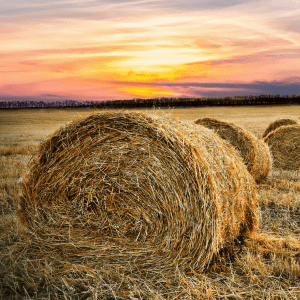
(254, 152)
(284, 144)
(146, 191)
(278, 123)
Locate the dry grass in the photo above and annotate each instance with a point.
(283, 185)
(278, 123)
(284, 144)
(262, 267)
(11, 172)
(254, 152)
(5, 151)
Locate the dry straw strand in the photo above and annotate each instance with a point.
(280, 184)
(284, 144)
(146, 192)
(278, 123)
(254, 152)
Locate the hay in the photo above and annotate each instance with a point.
(254, 152)
(284, 144)
(281, 185)
(278, 123)
(143, 193)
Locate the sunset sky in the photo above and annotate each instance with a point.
(112, 49)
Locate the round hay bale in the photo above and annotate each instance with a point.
(146, 191)
(284, 144)
(254, 152)
(278, 123)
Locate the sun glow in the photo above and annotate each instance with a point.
(146, 92)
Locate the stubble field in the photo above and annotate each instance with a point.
(267, 267)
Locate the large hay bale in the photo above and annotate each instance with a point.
(284, 144)
(144, 191)
(254, 152)
(278, 123)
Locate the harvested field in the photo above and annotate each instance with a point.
(254, 152)
(34, 265)
(284, 144)
(278, 123)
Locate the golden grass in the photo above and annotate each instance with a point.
(281, 184)
(5, 151)
(262, 267)
(254, 152)
(12, 170)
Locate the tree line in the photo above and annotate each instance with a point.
(157, 102)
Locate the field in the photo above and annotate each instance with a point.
(265, 267)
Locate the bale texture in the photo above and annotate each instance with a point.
(146, 192)
(254, 152)
(278, 123)
(284, 144)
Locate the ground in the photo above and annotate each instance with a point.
(265, 267)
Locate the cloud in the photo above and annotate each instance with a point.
(105, 9)
(56, 96)
(294, 26)
(192, 5)
(73, 51)
(289, 22)
(287, 87)
(22, 11)
(27, 63)
(256, 57)
(42, 97)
